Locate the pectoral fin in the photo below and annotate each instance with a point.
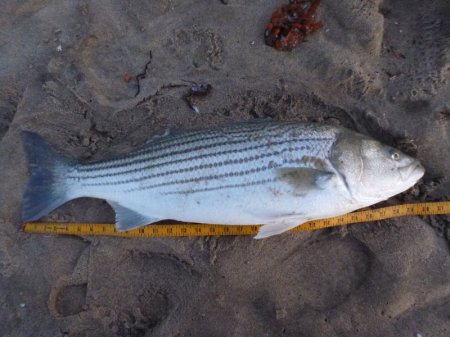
(276, 228)
(305, 179)
(127, 219)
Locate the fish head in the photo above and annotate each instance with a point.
(373, 171)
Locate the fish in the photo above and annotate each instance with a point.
(277, 174)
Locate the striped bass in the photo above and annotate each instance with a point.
(279, 174)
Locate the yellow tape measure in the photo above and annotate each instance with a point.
(189, 229)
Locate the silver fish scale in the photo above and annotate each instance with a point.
(235, 156)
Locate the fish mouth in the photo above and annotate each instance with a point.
(414, 172)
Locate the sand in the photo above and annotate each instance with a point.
(68, 71)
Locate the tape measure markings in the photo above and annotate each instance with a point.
(189, 229)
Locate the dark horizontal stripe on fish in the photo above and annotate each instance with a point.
(243, 129)
(151, 147)
(141, 157)
(213, 177)
(164, 141)
(223, 187)
(196, 157)
(222, 164)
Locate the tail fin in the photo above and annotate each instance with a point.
(46, 189)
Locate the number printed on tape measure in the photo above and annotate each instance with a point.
(186, 229)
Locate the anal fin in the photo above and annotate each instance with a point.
(127, 219)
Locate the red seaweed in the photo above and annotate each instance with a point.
(291, 23)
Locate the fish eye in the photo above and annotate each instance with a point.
(395, 156)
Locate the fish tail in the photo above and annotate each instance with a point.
(46, 189)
